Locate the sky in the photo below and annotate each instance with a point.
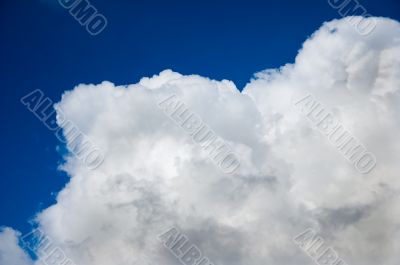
(43, 47)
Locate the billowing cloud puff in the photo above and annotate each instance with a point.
(291, 176)
(10, 251)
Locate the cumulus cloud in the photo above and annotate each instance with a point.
(10, 251)
(291, 177)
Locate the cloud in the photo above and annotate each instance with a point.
(291, 177)
(10, 251)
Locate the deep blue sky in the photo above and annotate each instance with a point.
(43, 47)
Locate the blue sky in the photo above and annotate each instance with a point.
(43, 47)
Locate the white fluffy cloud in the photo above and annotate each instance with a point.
(10, 251)
(290, 176)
